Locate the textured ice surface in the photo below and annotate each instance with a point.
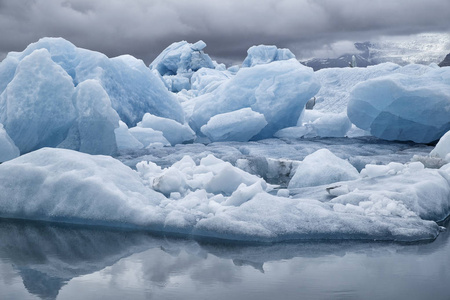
(133, 88)
(240, 125)
(278, 90)
(66, 186)
(125, 140)
(400, 190)
(181, 57)
(178, 62)
(173, 131)
(93, 130)
(262, 54)
(322, 167)
(55, 94)
(403, 106)
(442, 149)
(36, 107)
(207, 80)
(315, 123)
(8, 149)
(337, 83)
(332, 99)
(69, 186)
(148, 136)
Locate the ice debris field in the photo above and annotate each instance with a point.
(267, 151)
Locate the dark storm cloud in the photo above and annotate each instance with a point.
(144, 28)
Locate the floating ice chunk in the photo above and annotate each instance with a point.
(401, 191)
(329, 125)
(226, 178)
(8, 149)
(7, 70)
(177, 83)
(293, 132)
(240, 125)
(262, 54)
(68, 186)
(403, 107)
(382, 170)
(207, 80)
(337, 83)
(36, 107)
(135, 90)
(171, 181)
(278, 90)
(442, 148)
(212, 174)
(392, 168)
(173, 131)
(125, 140)
(182, 57)
(179, 61)
(322, 167)
(93, 129)
(244, 193)
(131, 86)
(148, 136)
(314, 123)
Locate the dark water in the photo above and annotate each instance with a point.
(43, 261)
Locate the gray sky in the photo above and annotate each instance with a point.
(143, 28)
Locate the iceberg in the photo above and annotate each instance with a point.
(403, 107)
(262, 54)
(131, 86)
(93, 129)
(322, 167)
(125, 140)
(337, 83)
(148, 137)
(173, 131)
(178, 62)
(8, 149)
(328, 114)
(68, 186)
(54, 94)
(278, 90)
(230, 126)
(207, 80)
(61, 185)
(36, 107)
(399, 190)
(182, 57)
(315, 123)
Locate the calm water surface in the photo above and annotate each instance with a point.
(44, 261)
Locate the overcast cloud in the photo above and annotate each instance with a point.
(143, 28)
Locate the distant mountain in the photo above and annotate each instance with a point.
(445, 62)
(362, 59)
(423, 49)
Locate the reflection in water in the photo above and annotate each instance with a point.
(48, 257)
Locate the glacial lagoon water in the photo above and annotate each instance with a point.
(49, 261)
